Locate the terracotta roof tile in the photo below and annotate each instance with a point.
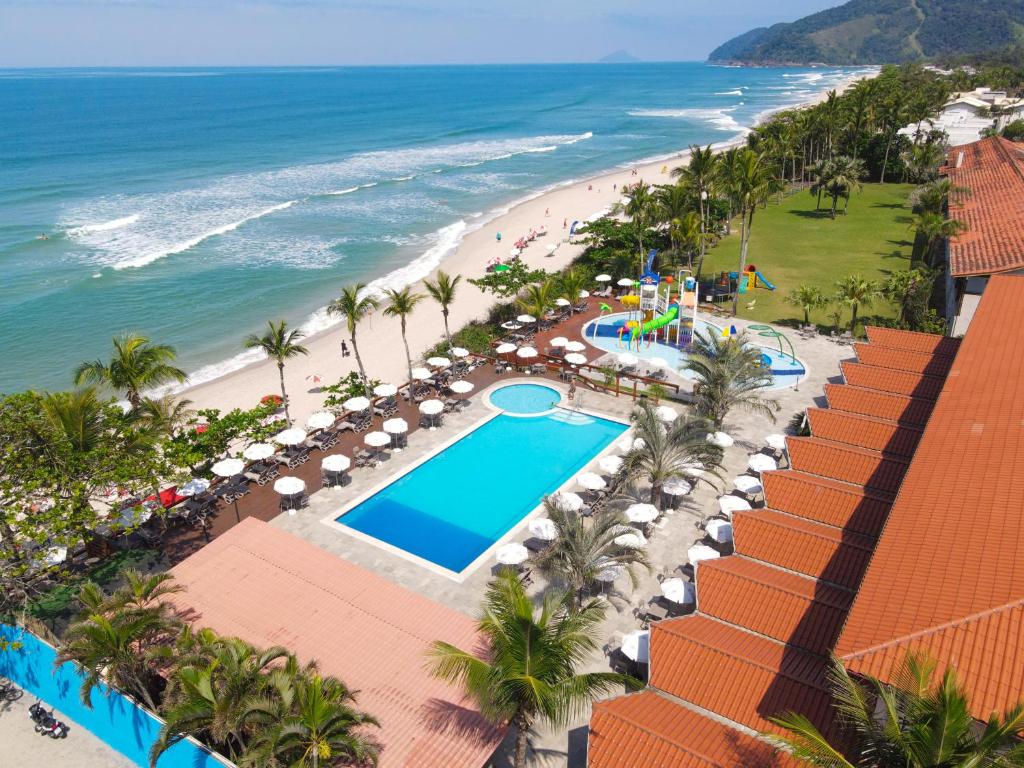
(906, 410)
(993, 170)
(737, 674)
(951, 548)
(888, 380)
(648, 729)
(361, 628)
(847, 463)
(887, 437)
(902, 359)
(786, 607)
(913, 341)
(800, 545)
(827, 501)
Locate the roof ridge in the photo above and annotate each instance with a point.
(1004, 150)
(953, 623)
(812, 580)
(809, 522)
(852, 488)
(848, 447)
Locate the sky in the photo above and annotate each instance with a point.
(66, 33)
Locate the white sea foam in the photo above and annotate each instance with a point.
(339, 192)
(105, 226)
(720, 119)
(737, 92)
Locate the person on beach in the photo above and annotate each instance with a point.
(547, 211)
(590, 187)
(498, 237)
(344, 349)
(572, 388)
(565, 223)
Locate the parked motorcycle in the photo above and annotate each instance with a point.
(45, 722)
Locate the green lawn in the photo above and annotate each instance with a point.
(793, 244)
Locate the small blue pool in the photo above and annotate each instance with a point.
(457, 504)
(525, 399)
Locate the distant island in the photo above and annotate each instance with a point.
(619, 57)
(881, 32)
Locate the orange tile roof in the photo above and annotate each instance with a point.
(902, 359)
(913, 341)
(827, 501)
(951, 548)
(268, 587)
(882, 405)
(881, 435)
(650, 730)
(993, 170)
(888, 380)
(848, 463)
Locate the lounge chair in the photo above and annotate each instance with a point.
(324, 440)
(363, 458)
(293, 457)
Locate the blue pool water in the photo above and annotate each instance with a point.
(113, 719)
(525, 399)
(453, 507)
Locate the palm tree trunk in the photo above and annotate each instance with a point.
(885, 161)
(284, 395)
(835, 202)
(408, 357)
(447, 333)
(744, 242)
(359, 362)
(522, 739)
(703, 232)
(656, 493)
(853, 319)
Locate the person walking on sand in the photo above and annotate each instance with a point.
(344, 349)
(497, 237)
(565, 223)
(547, 211)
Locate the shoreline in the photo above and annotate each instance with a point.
(551, 206)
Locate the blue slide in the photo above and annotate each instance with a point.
(764, 281)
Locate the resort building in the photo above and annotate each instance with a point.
(967, 115)
(893, 529)
(992, 211)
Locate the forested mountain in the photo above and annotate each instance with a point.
(882, 31)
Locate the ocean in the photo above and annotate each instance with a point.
(194, 204)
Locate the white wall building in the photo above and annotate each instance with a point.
(967, 114)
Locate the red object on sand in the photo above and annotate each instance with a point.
(270, 400)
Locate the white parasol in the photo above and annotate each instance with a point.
(552, 247)
(504, 349)
(666, 414)
(676, 488)
(544, 529)
(694, 469)
(438, 362)
(642, 513)
(461, 387)
(514, 252)
(609, 573)
(575, 346)
(562, 302)
(526, 352)
(526, 319)
(699, 552)
(610, 464)
(591, 481)
(377, 439)
(632, 540)
(292, 436)
(558, 341)
(460, 352)
(228, 467)
(259, 451)
(679, 591)
(628, 444)
(567, 500)
(584, 294)
(421, 374)
(511, 554)
(396, 426)
(625, 282)
(289, 486)
(637, 645)
(319, 420)
(761, 463)
(385, 390)
(730, 504)
(720, 439)
(747, 484)
(575, 358)
(603, 279)
(356, 404)
(194, 486)
(431, 407)
(776, 442)
(336, 463)
(719, 530)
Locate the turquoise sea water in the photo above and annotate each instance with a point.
(195, 204)
(454, 506)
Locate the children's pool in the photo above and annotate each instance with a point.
(452, 508)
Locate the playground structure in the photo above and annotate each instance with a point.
(666, 311)
(727, 284)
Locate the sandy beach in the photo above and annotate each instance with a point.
(379, 337)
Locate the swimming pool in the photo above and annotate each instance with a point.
(113, 719)
(525, 399)
(452, 508)
(603, 333)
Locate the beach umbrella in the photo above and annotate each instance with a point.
(676, 488)
(421, 374)
(552, 247)
(319, 420)
(610, 464)
(699, 552)
(609, 573)
(194, 486)
(625, 282)
(632, 540)
(396, 426)
(748, 485)
(678, 591)
(720, 439)
(385, 390)
(642, 513)
(526, 352)
(289, 486)
(228, 467)
(584, 294)
(719, 530)
(461, 387)
(514, 252)
(693, 469)
(591, 481)
(259, 452)
(567, 500)
(776, 442)
(627, 358)
(292, 436)
(658, 362)
(575, 358)
(377, 440)
(526, 319)
(666, 414)
(543, 529)
(359, 403)
(603, 278)
(628, 444)
(730, 504)
(511, 554)
(575, 346)
(503, 349)
(336, 462)
(761, 463)
(438, 362)
(637, 645)
(559, 341)
(511, 325)
(460, 352)
(563, 302)
(431, 408)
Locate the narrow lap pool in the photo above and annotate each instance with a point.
(453, 507)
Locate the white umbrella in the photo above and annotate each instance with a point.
(676, 488)
(642, 513)
(747, 484)
(694, 469)
(699, 552)
(526, 352)
(575, 346)
(610, 464)
(259, 451)
(55, 555)
(625, 282)
(562, 302)
(377, 439)
(460, 352)
(421, 374)
(461, 387)
(567, 500)
(761, 463)
(610, 573)
(336, 463)
(559, 341)
(319, 420)
(666, 414)
(633, 540)
(431, 407)
(385, 390)
(194, 486)
(292, 436)
(603, 279)
(514, 252)
(658, 362)
(356, 404)
(438, 362)
(720, 439)
(396, 426)
(228, 467)
(730, 504)
(719, 530)
(289, 486)
(776, 442)
(526, 319)
(503, 349)
(637, 645)
(552, 247)
(575, 358)
(543, 529)
(627, 358)
(678, 591)
(631, 444)
(584, 294)
(511, 554)
(511, 325)
(591, 481)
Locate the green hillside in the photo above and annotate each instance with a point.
(881, 32)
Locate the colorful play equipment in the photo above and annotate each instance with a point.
(666, 309)
(752, 278)
(792, 365)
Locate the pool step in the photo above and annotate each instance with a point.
(571, 417)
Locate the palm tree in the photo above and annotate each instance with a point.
(528, 670)
(665, 452)
(729, 374)
(807, 298)
(701, 174)
(279, 344)
(137, 364)
(165, 415)
(933, 228)
(750, 183)
(75, 419)
(672, 204)
(538, 298)
(855, 292)
(584, 547)
(844, 180)
(401, 304)
(354, 304)
(640, 206)
(570, 284)
(442, 290)
(915, 722)
(821, 173)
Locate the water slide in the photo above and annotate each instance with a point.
(764, 281)
(659, 322)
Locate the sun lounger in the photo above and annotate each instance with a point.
(262, 473)
(362, 458)
(293, 457)
(324, 440)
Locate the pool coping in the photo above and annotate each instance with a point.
(331, 520)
